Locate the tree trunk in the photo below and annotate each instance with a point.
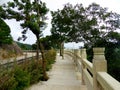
(45, 77)
(37, 52)
(63, 50)
(60, 49)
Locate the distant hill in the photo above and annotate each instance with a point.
(24, 46)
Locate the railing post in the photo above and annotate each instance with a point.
(84, 56)
(99, 64)
(80, 52)
(77, 53)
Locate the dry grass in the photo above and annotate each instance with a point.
(8, 51)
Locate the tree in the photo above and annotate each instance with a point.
(89, 25)
(33, 16)
(101, 22)
(5, 37)
(63, 25)
(48, 42)
(112, 51)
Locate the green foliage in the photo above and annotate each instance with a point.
(35, 71)
(100, 23)
(7, 80)
(2, 13)
(88, 24)
(50, 56)
(89, 52)
(24, 46)
(32, 13)
(62, 22)
(46, 42)
(5, 37)
(94, 25)
(112, 51)
(49, 42)
(22, 77)
(112, 54)
(10, 84)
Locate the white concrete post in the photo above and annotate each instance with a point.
(80, 52)
(99, 64)
(84, 56)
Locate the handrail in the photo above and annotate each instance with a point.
(107, 81)
(88, 65)
(88, 79)
(100, 79)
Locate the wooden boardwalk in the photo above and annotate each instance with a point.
(63, 76)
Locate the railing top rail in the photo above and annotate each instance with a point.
(107, 81)
(88, 65)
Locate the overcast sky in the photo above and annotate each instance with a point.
(53, 5)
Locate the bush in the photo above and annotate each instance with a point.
(112, 54)
(9, 83)
(35, 71)
(50, 57)
(22, 77)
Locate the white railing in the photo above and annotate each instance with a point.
(94, 74)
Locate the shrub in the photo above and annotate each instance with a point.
(50, 57)
(35, 71)
(22, 77)
(10, 84)
(7, 80)
(112, 55)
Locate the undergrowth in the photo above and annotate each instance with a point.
(23, 75)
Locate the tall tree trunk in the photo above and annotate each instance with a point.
(37, 52)
(40, 44)
(60, 49)
(63, 50)
(45, 77)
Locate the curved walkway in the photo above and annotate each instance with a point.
(63, 76)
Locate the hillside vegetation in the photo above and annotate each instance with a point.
(9, 50)
(24, 46)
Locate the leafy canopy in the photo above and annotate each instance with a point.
(87, 24)
(5, 37)
(31, 13)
